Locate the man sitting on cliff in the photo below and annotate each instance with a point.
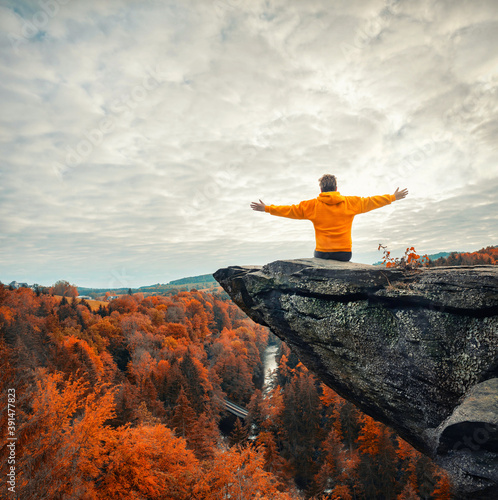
(332, 216)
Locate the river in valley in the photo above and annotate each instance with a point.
(270, 365)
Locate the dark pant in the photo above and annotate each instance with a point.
(342, 256)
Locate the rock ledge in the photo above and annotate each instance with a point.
(417, 350)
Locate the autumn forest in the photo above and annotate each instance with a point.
(128, 401)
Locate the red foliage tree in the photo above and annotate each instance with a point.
(149, 462)
(61, 445)
(64, 289)
(238, 473)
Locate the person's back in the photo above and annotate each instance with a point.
(332, 216)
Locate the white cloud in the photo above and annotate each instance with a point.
(134, 135)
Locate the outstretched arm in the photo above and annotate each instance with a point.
(290, 211)
(373, 202)
(259, 207)
(399, 195)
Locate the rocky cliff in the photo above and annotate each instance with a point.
(417, 350)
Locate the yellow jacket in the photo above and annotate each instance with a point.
(332, 215)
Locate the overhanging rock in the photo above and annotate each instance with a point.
(417, 350)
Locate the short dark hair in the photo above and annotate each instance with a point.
(328, 183)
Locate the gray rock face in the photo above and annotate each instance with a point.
(416, 350)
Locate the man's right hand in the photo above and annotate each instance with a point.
(399, 195)
(259, 207)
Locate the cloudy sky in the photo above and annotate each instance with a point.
(135, 134)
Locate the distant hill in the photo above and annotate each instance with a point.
(203, 278)
(439, 255)
(484, 256)
(198, 282)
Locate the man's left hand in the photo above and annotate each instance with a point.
(399, 195)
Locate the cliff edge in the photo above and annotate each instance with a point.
(416, 350)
